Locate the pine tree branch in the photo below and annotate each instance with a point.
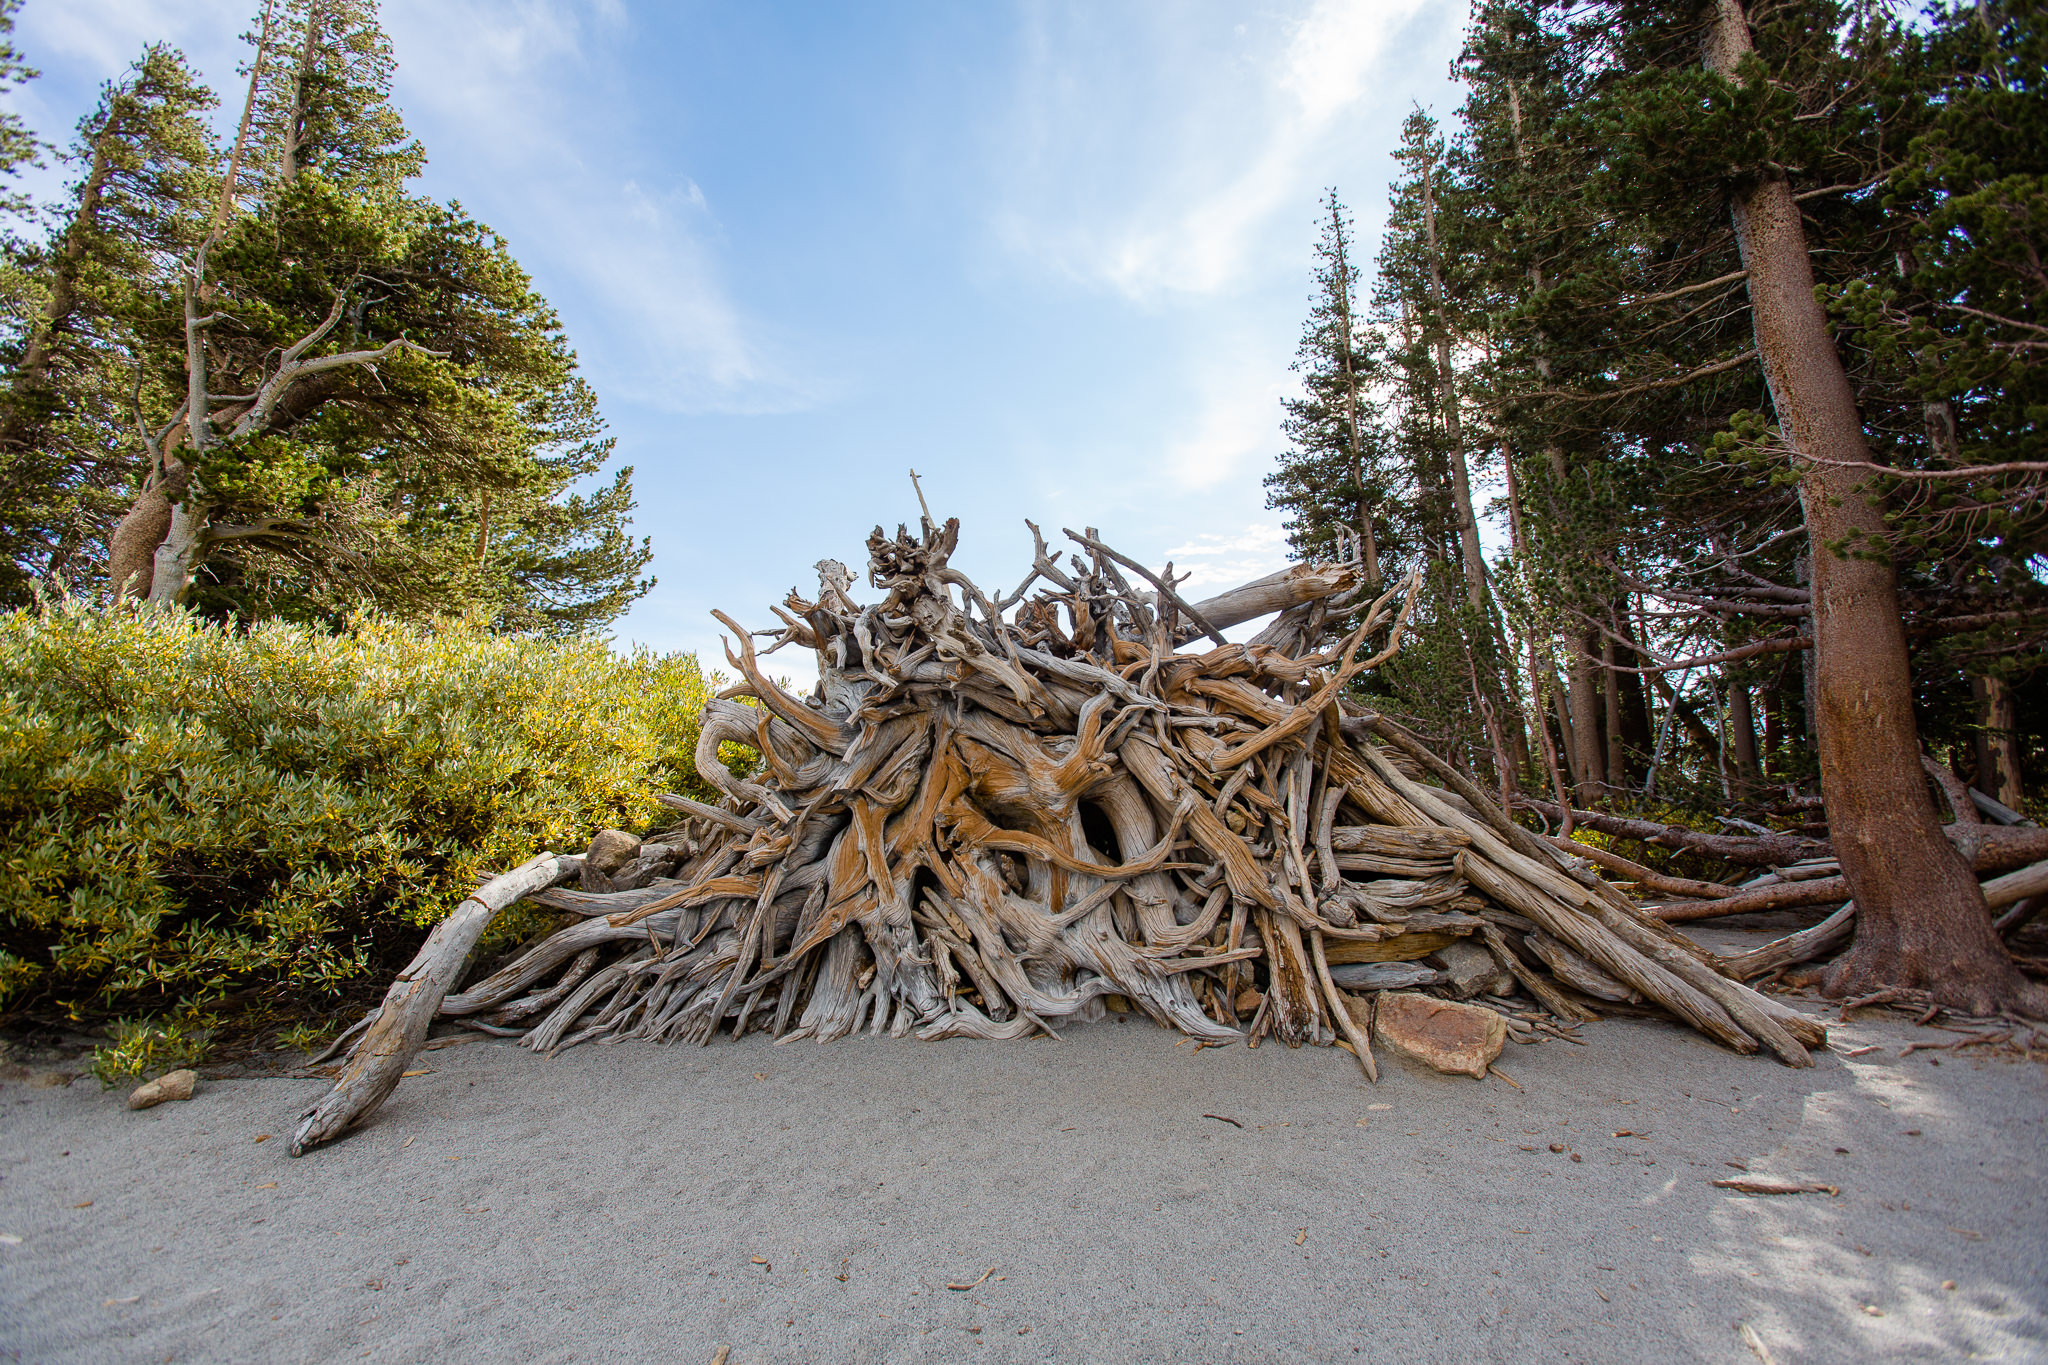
(1993, 317)
(1668, 295)
(1979, 471)
(1700, 599)
(274, 389)
(1784, 644)
(1804, 195)
(1718, 367)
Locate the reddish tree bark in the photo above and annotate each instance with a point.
(1921, 920)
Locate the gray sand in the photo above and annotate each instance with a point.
(653, 1203)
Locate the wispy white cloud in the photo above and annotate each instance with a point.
(1224, 559)
(1155, 157)
(512, 92)
(79, 44)
(525, 123)
(1234, 426)
(108, 34)
(1258, 538)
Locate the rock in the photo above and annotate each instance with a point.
(174, 1085)
(1248, 1001)
(1384, 976)
(1470, 970)
(1461, 1040)
(610, 851)
(1359, 1007)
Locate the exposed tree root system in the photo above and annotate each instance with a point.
(995, 817)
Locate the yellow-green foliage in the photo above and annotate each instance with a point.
(147, 1048)
(190, 811)
(1678, 862)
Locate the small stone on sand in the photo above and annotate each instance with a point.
(174, 1085)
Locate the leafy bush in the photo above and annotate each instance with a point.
(304, 1036)
(190, 812)
(148, 1048)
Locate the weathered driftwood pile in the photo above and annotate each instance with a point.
(993, 817)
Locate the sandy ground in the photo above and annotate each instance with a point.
(813, 1204)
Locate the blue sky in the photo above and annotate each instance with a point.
(1053, 256)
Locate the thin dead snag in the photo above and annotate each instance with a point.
(991, 821)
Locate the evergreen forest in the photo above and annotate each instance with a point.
(1733, 318)
(1739, 313)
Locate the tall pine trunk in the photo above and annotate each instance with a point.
(1773, 757)
(1742, 737)
(1921, 920)
(29, 395)
(1615, 727)
(1998, 741)
(1589, 744)
(162, 527)
(1369, 543)
(1473, 559)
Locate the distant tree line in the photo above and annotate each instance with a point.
(248, 368)
(1744, 310)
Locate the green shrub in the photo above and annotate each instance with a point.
(191, 812)
(148, 1048)
(304, 1036)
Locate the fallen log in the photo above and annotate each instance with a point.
(1998, 848)
(1960, 808)
(988, 822)
(1784, 896)
(1793, 872)
(1294, 586)
(394, 1037)
(1642, 876)
(1819, 940)
(2000, 891)
(2017, 886)
(1991, 848)
(1774, 850)
(2020, 916)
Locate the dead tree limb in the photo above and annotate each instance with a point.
(1776, 850)
(393, 1040)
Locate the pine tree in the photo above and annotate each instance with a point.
(18, 146)
(1458, 680)
(323, 104)
(377, 406)
(1952, 342)
(1920, 913)
(1702, 461)
(1334, 480)
(66, 425)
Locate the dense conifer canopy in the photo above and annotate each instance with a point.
(392, 415)
(1603, 360)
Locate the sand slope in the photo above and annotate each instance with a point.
(608, 1206)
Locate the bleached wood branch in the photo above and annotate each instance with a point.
(1165, 589)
